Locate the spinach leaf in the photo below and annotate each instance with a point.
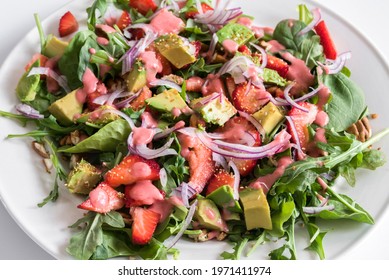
(106, 139)
(306, 46)
(99, 6)
(347, 103)
(280, 217)
(76, 58)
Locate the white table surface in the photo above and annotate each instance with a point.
(369, 17)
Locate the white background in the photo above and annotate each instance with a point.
(369, 17)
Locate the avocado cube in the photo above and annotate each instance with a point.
(217, 111)
(224, 198)
(256, 209)
(54, 46)
(239, 33)
(269, 117)
(83, 178)
(66, 108)
(28, 85)
(137, 78)
(208, 215)
(175, 49)
(167, 101)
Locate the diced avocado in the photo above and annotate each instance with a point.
(230, 216)
(100, 116)
(269, 117)
(215, 111)
(180, 212)
(224, 198)
(255, 208)
(28, 85)
(137, 78)
(83, 178)
(237, 32)
(175, 49)
(167, 101)
(208, 215)
(66, 108)
(54, 46)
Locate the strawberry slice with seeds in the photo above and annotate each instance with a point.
(103, 199)
(249, 100)
(220, 178)
(144, 224)
(199, 157)
(326, 41)
(143, 6)
(275, 63)
(131, 169)
(67, 24)
(301, 121)
(193, 12)
(124, 20)
(140, 102)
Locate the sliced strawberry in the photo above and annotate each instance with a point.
(244, 49)
(143, 6)
(140, 102)
(240, 131)
(67, 24)
(301, 122)
(276, 64)
(326, 41)
(90, 97)
(199, 157)
(142, 193)
(193, 12)
(131, 169)
(144, 223)
(103, 199)
(248, 100)
(124, 20)
(220, 178)
(166, 66)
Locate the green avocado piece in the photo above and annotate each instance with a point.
(83, 178)
(215, 111)
(230, 216)
(269, 117)
(166, 101)
(208, 215)
(137, 78)
(99, 116)
(224, 198)
(255, 208)
(239, 33)
(65, 108)
(175, 49)
(54, 46)
(180, 212)
(28, 86)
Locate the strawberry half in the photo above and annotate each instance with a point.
(67, 24)
(220, 178)
(103, 199)
(199, 157)
(276, 64)
(144, 223)
(301, 121)
(238, 130)
(326, 41)
(143, 6)
(248, 100)
(131, 169)
(193, 12)
(124, 20)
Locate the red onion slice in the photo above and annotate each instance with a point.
(317, 209)
(254, 122)
(121, 114)
(263, 54)
(316, 19)
(169, 84)
(220, 160)
(167, 131)
(219, 16)
(28, 111)
(148, 153)
(61, 80)
(236, 179)
(163, 177)
(296, 136)
(185, 225)
(291, 101)
(335, 66)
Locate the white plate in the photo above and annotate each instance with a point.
(24, 183)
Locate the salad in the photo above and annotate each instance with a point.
(187, 120)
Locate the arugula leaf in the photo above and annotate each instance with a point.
(237, 253)
(316, 241)
(346, 97)
(106, 139)
(280, 217)
(99, 6)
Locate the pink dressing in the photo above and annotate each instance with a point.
(267, 181)
(230, 46)
(163, 208)
(92, 50)
(99, 198)
(209, 213)
(165, 22)
(323, 94)
(246, 21)
(194, 84)
(89, 81)
(141, 169)
(105, 28)
(144, 191)
(213, 84)
(176, 112)
(274, 46)
(187, 143)
(52, 85)
(148, 120)
(298, 72)
(259, 32)
(102, 41)
(104, 69)
(152, 65)
(322, 118)
(236, 133)
(142, 136)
